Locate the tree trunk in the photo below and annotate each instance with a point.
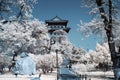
(108, 28)
(13, 60)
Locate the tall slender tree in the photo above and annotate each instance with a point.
(108, 11)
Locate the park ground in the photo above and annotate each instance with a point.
(95, 75)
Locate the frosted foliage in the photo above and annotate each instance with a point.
(62, 43)
(92, 58)
(78, 55)
(16, 30)
(62, 32)
(85, 57)
(60, 36)
(47, 59)
(25, 7)
(95, 26)
(88, 3)
(40, 33)
(6, 60)
(101, 54)
(91, 66)
(79, 68)
(19, 34)
(91, 4)
(65, 49)
(94, 11)
(21, 9)
(116, 32)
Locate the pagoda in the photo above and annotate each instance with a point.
(56, 24)
(57, 28)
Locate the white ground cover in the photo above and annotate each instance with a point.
(26, 77)
(52, 76)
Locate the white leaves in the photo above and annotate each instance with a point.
(116, 32)
(88, 3)
(25, 8)
(19, 8)
(84, 29)
(93, 27)
(47, 59)
(96, 25)
(93, 58)
(79, 68)
(21, 33)
(94, 11)
(6, 60)
(101, 54)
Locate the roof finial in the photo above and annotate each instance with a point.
(56, 18)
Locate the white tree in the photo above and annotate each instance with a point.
(46, 62)
(109, 18)
(92, 59)
(5, 61)
(17, 38)
(25, 8)
(66, 48)
(78, 55)
(16, 34)
(62, 43)
(100, 56)
(21, 9)
(21, 33)
(80, 69)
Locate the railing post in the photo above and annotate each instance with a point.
(57, 64)
(85, 77)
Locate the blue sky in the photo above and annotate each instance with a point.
(70, 10)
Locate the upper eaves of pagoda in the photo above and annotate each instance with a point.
(57, 21)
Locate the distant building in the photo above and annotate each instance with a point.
(57, 29)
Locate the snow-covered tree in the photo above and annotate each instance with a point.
(24, 8)
(17, 38)
(46, 62)
(80, 69)
(61, 43)
(42, 39)
(5, 61)
(19, 33)
(77, 55)
(67, 50)
(16, 35)
(108, 22)
(20, 9)
(101, 56)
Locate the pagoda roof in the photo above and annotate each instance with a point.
(56, 21)
(65, 29)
